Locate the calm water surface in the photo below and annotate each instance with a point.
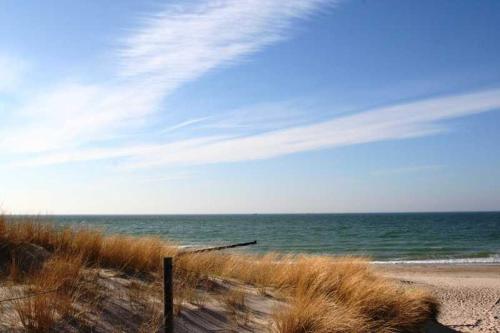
(454, 237)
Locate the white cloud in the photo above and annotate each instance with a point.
(75, 114)
(183, 42)
(401, 121)
(396, 122)
(184, 124)
(176, 45)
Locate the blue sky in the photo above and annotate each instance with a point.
(249, 106)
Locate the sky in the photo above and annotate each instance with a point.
(249, 106)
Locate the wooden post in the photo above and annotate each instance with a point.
(168, 310)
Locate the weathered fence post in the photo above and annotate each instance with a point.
(168, 296)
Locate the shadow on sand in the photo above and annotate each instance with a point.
(435, 327)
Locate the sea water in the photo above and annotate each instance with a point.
(389, 237)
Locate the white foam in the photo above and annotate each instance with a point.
(494, 260)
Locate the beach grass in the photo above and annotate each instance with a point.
(322, 293)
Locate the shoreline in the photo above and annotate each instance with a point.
(469, 293)
(395, 297)
(437, 262)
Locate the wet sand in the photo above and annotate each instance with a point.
(469, 294)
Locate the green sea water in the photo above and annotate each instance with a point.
(394, 237)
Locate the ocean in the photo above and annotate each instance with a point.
(389, 237)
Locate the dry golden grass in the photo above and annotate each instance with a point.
(38, 313)
(14, 274)
(72, 250)
(54, 288)
(234, 301)
(318, 314)
(325, 294)
(131, 254)
(134, 254)
(143, 298)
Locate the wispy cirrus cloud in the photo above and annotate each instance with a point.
(167, 49)
(184, 42)
(77, 121)
(401, 121)
(184, 124)
(395, 122)
(73, 114)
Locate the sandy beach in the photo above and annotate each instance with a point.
(469, 294)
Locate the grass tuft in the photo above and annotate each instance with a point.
(325, 294)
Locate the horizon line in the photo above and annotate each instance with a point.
(222, 214)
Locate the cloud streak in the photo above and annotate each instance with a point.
(182, 43)
(168, 49)
(75, 121)
(395, 122)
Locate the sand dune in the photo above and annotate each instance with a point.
(469, 294)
